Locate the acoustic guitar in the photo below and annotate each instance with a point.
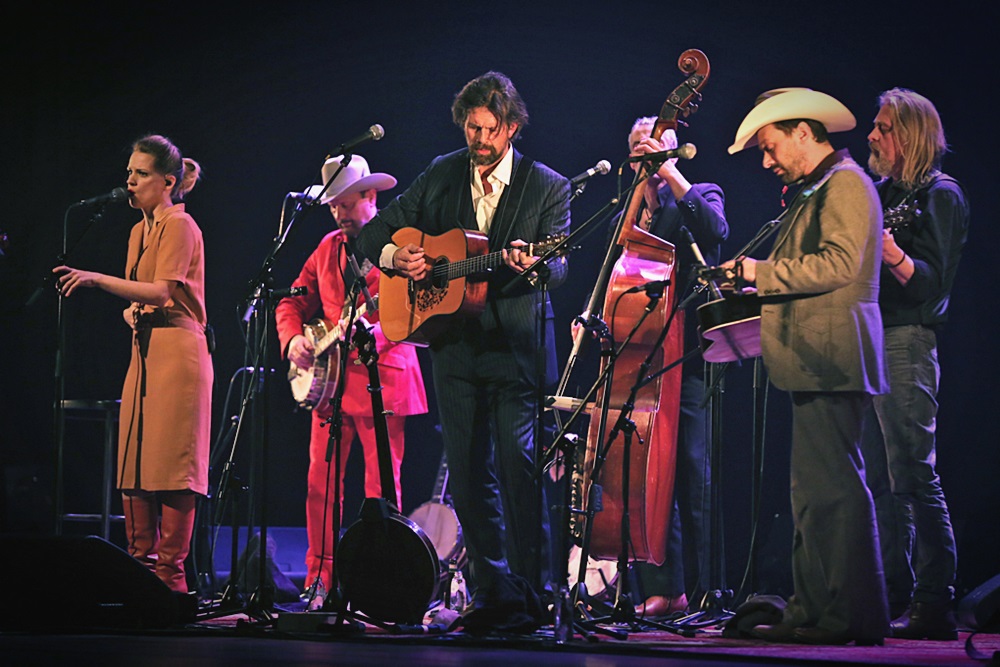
(415, 312)
(901, 216)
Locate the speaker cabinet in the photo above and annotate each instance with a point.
(79, 582)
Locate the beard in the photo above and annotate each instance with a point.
(483, 159)
(352, 228)
(878, 164)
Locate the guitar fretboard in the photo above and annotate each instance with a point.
(468, 266)
(483, 263)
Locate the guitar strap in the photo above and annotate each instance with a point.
(798, 202)
(503, 223)
(918, 195)
(346, 270)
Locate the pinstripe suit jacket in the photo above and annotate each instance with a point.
(440, 199)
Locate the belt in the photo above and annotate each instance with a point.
(151, 320)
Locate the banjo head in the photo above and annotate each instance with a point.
(440, 523)
(388, 569)
(314, 385)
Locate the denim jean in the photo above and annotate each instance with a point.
(917, 539)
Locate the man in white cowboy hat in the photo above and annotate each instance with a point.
(821, 340)
(350, 190)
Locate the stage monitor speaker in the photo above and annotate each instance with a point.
(980, 609)
(51, 583)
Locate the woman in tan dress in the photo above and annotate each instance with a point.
(166, 399)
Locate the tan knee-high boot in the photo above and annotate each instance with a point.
(176, 529)
(141, 526)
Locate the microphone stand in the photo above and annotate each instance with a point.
(563, 605)
(334, 602)
(623, 611)
(712, 607)
(59, 398)
(597, 293)
(259, 306)
(232, 493)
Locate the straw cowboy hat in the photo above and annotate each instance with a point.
(789, 104)
(355, 177)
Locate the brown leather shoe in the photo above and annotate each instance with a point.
(662, 605)
(779, 632)
(821, 637)
(926, 620)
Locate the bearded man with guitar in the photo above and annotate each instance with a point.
(926, 224)
(328, 278)
(486, 359)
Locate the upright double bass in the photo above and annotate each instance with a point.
(642, 258)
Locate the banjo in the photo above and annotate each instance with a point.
(438, 519)
(313, 386)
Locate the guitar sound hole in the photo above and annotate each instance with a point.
(439, 273)
(431, 292)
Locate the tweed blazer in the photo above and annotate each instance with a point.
(820, 324)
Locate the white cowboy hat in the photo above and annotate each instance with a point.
(788, 104)
(355, 177)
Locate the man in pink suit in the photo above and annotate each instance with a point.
(328, 278)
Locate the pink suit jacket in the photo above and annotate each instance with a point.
(399, 370)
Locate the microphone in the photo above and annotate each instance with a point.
(360, 278)
(650, 286)
(684, 152)
(300, 196)
(116, 195)
(689, 237)
(716, 292)
(289, 291)
(374, 133)
(601, 167)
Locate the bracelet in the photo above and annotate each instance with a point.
(901, 260)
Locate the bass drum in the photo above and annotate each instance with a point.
(600, 577)
(440, 523)
(387, 567)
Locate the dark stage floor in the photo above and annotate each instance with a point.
(236, 640)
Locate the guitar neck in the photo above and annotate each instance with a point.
(442, 481)
(469, 266)
(334, 335)
(481, 263)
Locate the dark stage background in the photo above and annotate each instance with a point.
(260, 96)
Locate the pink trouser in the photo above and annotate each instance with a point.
(319, 499)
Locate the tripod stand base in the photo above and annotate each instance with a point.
(713, 610)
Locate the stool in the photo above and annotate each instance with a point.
(106, 411)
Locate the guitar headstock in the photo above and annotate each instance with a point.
(543, 246)
(900, 216)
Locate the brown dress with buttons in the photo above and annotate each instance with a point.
(165, 424)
